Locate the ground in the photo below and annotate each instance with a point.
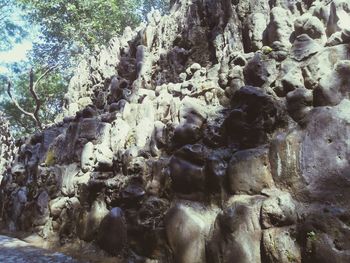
(13, 250)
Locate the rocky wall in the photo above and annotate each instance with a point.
(6, 144)
(217, 133)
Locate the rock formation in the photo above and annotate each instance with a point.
(6, 145)
(217, 133)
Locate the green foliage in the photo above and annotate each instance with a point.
(12, 31)
(72, 27)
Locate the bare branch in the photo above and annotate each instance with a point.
(19, 106)
(34, 95)
(44, 75)
(32, 88)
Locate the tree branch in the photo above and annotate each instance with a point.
(14, 101)
(32, 89)
(44, 74)
(35, 96)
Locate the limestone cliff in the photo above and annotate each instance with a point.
(217, 133)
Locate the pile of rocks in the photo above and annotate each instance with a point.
(217, 133)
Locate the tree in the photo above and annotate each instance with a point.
(32, 86)
(71, 27)
(50, 87)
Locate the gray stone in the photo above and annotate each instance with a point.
(89, 221)
(112, 235)
(280, 27)
(334, 86)
(257, 26)
(57, 205)
(290, 78)
(310, 25)
(304, 47)
(119, 133)
(248, 127)
(330, 147)
(260, 71)
(237, 234)
(192, 69)
(103, 152)
(187, 169)
(299, 103)
(87, 157)
(284, 159)
(192, 115)
(279, 245)
(278, 210)
(88, 128)
(65, 178)
(42, 209)
(187, 226)
(321, 64)
(249, 172)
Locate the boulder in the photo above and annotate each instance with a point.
(187, 226)
(334, 86)
(89, 221)
(254, 116)
(284, 156)
(56, 205)
(112, 233)
(322, 63)
(64, 176)
(324, 142)
(260, 71)
(192, 116)
(280, 27)
(278, 210)
(279, 246)
(289, 79)
(237, 233)
(299, 103)
(87, 157)
(304, 47)
(249, 171)
(310, 25)
(186, 176)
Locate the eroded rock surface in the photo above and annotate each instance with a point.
(6, 145)
(216, 133)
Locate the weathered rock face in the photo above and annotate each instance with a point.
(217, 133)
(6, 145)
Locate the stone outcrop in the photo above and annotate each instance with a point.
(6, 145)
(216, 133)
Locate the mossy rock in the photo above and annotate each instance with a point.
(50, 158)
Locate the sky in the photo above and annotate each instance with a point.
(19, 51)
(16, 54)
